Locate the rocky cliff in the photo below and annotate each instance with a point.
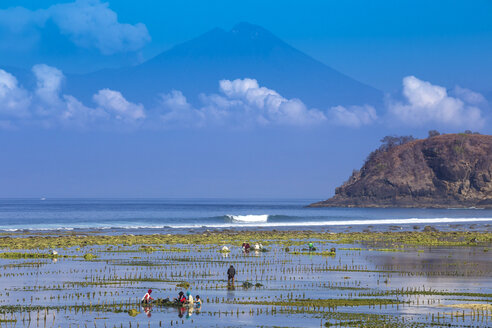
(452, 170)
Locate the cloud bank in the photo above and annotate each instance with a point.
(244, 102)
(14, 100)
(238, 103)
(354, 116)
(87, 23)
(428, 104)
(114, 102)
(47, 106)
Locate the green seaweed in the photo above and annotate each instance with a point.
(89, 256)
(17, 255)
(334, 302)
(286, 238)
(183, 284)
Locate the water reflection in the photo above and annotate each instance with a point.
(147, 310)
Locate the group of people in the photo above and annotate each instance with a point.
(188, 299)
(256, 247)
(187, 304)
(180, 300)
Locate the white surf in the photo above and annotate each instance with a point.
(251, 218)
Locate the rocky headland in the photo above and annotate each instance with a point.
(441, 171)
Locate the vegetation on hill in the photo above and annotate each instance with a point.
(449, 170)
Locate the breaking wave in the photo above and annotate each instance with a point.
(287, 224)
(248, 218)
(247, 221)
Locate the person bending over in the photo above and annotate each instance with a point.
(190, 298)
(147, 298)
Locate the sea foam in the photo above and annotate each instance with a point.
(266, 224)
(251, 218)
(236, 221)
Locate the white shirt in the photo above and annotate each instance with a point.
(146, 297)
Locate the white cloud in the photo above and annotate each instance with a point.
(469, 96)
(430, 104)
(47, 106)
(76, 113)
(91, 23)
(48, 84)
(354, 116)
(114, 102)
(247, 89)
(267, 105)
(87, 23)
(240, 103)
(178, 110)
(14, 100)
(175, 100)
(243, 102)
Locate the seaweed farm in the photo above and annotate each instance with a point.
(375, 279)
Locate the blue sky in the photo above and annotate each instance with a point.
(431, 59)
(448, 42)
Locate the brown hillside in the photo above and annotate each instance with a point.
(452, 170)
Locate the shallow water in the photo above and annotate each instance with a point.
(75, 292)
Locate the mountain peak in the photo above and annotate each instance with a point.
(247, 31)
(247, 50)
(248, 28)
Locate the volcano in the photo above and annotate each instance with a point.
(246, 51)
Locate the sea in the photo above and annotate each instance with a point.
(144, 216)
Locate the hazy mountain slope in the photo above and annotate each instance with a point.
(247, 50)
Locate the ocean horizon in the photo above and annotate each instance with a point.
(152, 215)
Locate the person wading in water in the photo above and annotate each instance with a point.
(147, 298)
(230, 275)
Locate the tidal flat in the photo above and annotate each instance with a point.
(372, 279)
